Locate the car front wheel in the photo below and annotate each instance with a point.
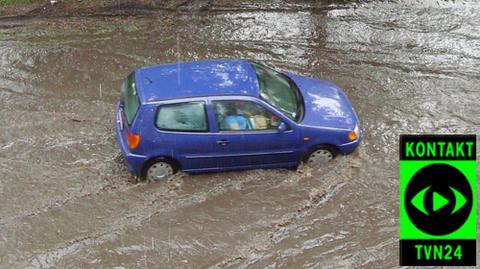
(320, 155)
(160, 169)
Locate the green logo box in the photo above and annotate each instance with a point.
(438, 200)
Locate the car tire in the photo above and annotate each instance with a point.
(320, 155)
(159, 169)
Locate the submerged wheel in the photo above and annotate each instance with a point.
(160, 169)
(320, 155)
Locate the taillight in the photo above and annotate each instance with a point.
(133, 140)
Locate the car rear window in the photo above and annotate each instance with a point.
(129, 98)
(186, 117)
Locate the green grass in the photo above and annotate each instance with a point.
(16, 2)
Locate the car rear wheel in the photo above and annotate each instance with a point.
(160, 169)
(320, 156)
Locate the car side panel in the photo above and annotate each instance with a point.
(260, 148)
(192, 150)
(199, 152)
(255, 149)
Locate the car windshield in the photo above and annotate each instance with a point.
(279, 91)
(129, 99)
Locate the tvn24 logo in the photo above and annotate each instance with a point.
(437, 200)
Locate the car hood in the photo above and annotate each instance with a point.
(325, 104)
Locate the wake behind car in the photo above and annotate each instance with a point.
(219, 115)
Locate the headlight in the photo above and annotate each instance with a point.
(353, 135)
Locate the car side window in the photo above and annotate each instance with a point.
(185, 117)
(243, 115)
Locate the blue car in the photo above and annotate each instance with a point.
(219, 115)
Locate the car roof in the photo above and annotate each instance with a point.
(195, 79)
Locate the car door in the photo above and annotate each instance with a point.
(246, 134)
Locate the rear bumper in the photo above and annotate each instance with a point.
(134, 162)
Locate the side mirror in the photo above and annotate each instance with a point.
(282, 127)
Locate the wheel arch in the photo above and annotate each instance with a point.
(334, 149)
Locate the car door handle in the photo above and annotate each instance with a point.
(222, 142)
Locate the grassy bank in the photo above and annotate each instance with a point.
(19, 2)
(43, 8)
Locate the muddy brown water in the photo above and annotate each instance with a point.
(407, 66)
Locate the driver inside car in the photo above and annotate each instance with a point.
(234, 120)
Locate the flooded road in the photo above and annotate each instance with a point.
(407, 67)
